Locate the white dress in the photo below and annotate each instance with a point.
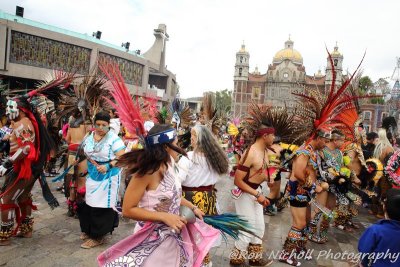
(102, 189)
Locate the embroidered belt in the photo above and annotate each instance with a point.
(200, 188)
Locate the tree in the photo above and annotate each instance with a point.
(365, 84)
(223, 101)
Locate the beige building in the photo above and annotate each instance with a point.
(285, 75)
(30, 49)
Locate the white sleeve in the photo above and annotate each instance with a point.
(184, 165)
(117, 145)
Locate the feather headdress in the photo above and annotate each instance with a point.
(128, 111)
(209, 113)
(318, 111)
(85, 97)
(280, 118)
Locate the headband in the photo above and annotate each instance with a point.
(161, 138)
(262, 131)
(324, 134)
(337, 136)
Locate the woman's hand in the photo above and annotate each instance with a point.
(262, 200)
(174, 221)
(199, 213)
(102, 168)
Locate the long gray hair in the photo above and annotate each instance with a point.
(208, 145)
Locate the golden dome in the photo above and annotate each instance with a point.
(336, 51)
(288, 53)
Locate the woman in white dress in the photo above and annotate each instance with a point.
(97, 215)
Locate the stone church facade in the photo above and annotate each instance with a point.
(285, 75)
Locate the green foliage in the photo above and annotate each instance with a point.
(223, 102)
(377, 100)
(365, 83)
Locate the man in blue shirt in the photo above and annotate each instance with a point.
(380, 243)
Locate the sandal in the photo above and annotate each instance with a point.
(91, 243)
(83, 236)
(284, 257)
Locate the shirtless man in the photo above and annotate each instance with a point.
(20, 170)
(250, 174)
(301, 187)
(74, 181)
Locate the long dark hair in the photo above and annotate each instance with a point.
(150, 159)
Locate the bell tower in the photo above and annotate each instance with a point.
(240, 79)
(337, 59)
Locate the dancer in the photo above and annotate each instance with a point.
(316, 114)
(96, 214)
(79, 106)
(250, 174)
(383, 151)
(200, 171)
(329, 176)
(301, 188)
(74, 180)
(30, 145)
(154, 195)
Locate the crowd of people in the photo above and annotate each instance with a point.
(123, 156)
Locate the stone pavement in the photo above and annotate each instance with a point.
(56, 241)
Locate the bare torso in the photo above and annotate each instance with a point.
(23, 129)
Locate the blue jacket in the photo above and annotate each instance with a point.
(384, 237)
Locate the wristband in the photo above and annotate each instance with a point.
(194, 208)
(258, 195)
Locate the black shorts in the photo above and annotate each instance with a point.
(298, 204)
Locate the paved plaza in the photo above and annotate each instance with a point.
(56, 237)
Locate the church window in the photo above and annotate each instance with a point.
(335, 62)
(241, 59)
(286, 75)
(367, 115)
(240, 71)
(256, 92)
(272, 92)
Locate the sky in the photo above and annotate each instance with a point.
(205, 35)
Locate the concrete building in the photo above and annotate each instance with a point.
(30, 49)
(285, 75)
(373, 114)
(194, 103)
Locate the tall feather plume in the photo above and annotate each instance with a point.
(128, 111)
(318, 111)
(209, 113)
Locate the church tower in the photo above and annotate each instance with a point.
(242, 64)
(337, 59)
(240, 80)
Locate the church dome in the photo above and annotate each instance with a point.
(288, 53)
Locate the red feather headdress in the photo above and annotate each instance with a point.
(323, 112)
(128, 111)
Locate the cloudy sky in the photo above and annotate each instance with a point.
(206, 34)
